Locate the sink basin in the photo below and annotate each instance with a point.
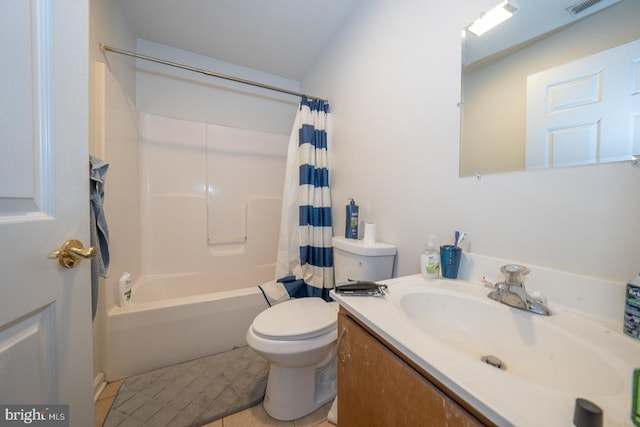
(547, 351)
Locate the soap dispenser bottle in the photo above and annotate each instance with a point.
(430, 261)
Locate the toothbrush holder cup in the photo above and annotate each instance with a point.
(450, 261)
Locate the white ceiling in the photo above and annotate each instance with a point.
(280, 37)
(532, 19)
(283, 37)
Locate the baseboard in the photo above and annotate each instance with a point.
(98, 385)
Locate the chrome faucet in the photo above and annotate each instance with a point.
(513, 293)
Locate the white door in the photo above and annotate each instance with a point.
(585, 111)
(45, 309)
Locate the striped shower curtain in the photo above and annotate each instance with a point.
(305, 254)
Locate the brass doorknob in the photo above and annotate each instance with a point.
(72, 252)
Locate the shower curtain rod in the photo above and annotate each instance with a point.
(104, 47)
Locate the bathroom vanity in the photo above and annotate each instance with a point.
(380, 386)
(424, 354)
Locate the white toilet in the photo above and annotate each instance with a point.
(298, 337)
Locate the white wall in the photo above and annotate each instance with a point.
(108, 25)
(393, 80)
(172, 92)
(122, 199)
(113, 138)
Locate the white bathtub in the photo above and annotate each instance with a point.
(173, 319)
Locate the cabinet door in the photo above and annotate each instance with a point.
(377, 388)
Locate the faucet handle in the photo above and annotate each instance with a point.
(514, 274)
(538, 297)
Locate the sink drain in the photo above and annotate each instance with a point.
(494, 361)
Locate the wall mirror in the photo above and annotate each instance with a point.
(557, 84)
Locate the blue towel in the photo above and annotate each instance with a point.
(97, 226)
(289, 287)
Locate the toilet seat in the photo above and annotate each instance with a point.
(297, 319)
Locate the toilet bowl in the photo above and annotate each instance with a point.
(297, 338)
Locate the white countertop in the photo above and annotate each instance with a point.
(503, 397)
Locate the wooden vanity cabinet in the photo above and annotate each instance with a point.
(377, 386)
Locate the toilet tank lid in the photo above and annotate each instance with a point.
(358, 247)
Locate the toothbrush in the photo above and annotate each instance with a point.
(459, 238)
(456, 238)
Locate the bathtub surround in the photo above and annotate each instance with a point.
(214, 191)
(192, 393)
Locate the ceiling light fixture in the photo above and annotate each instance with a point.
(493, 17)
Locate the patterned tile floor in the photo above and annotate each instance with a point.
(251, 417)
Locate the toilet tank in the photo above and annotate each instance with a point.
(354, 260)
